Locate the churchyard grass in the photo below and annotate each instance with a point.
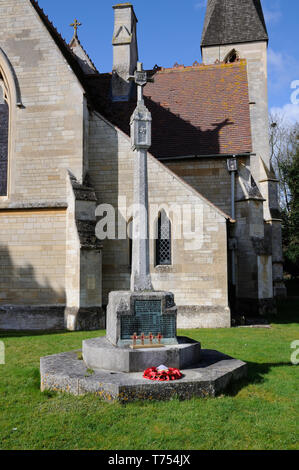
(259, 413)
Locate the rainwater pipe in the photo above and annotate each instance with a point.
(232, 166)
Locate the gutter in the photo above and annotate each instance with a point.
(223, 155)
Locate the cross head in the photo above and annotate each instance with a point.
(76, 25)
(141, 79)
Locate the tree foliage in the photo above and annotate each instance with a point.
(290, 171)
(284, 140)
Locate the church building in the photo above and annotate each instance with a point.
(66, 163)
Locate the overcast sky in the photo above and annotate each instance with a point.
(169, 31)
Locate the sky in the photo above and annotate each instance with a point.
(169, 31)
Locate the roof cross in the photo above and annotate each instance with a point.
(76, 25)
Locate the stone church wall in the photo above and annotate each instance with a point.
(198, 275)
(32, 274)
(47, 130)
(255, 54)
(45, 141)
(207, 176)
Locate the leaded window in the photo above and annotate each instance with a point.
(4, 126)
(163, 242)
(130, 236)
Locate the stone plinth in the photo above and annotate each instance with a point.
(100, 354)
(212, 375)
(141, 312)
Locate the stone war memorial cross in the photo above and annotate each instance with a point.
(141, 121)
(141, 313)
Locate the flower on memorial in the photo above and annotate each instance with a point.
(162, 374)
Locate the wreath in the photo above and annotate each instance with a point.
(162, 375)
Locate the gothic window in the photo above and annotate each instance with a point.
(163, 242)
(4, 126)
(130, 236)
(231, 57)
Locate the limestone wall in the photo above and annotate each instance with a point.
(32, 257)
(198, 275)
(209, 177)
(46, 133)
(48, 137)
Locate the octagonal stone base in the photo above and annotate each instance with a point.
(100, 354)
(211, 376)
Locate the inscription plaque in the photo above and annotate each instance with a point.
(148, 318)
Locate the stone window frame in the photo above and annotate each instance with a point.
(4, 95)
(156, 260)
(13, 98)
(130, 241)
(230, 54)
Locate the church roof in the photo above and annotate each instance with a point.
(233, 22)
(199, 110)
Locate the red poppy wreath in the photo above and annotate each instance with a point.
(162, 374)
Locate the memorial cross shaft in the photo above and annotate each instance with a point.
(141, 141)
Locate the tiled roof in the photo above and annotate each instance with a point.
(233, 22)
(198, 110)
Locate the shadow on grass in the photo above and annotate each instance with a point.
(256, 375)
(23, 334)
(288, 311)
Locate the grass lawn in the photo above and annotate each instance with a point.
(260, 413)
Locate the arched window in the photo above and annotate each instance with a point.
(163, 241)
(4, 128)
(231, 57)
(130, 237)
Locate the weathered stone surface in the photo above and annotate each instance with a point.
(201, 316)
(99, 353)
(211, 376)
(122, 303)
(88, 318)
(140, 276)
(28, 318)
(47, 317)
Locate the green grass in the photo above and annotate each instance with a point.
(259, 413)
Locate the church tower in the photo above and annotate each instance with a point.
(233, 30)
(236, 29)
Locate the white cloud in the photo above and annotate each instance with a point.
(201, 4)
(275, 59)
(289, 112)
(272, 16)
(283, 69)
